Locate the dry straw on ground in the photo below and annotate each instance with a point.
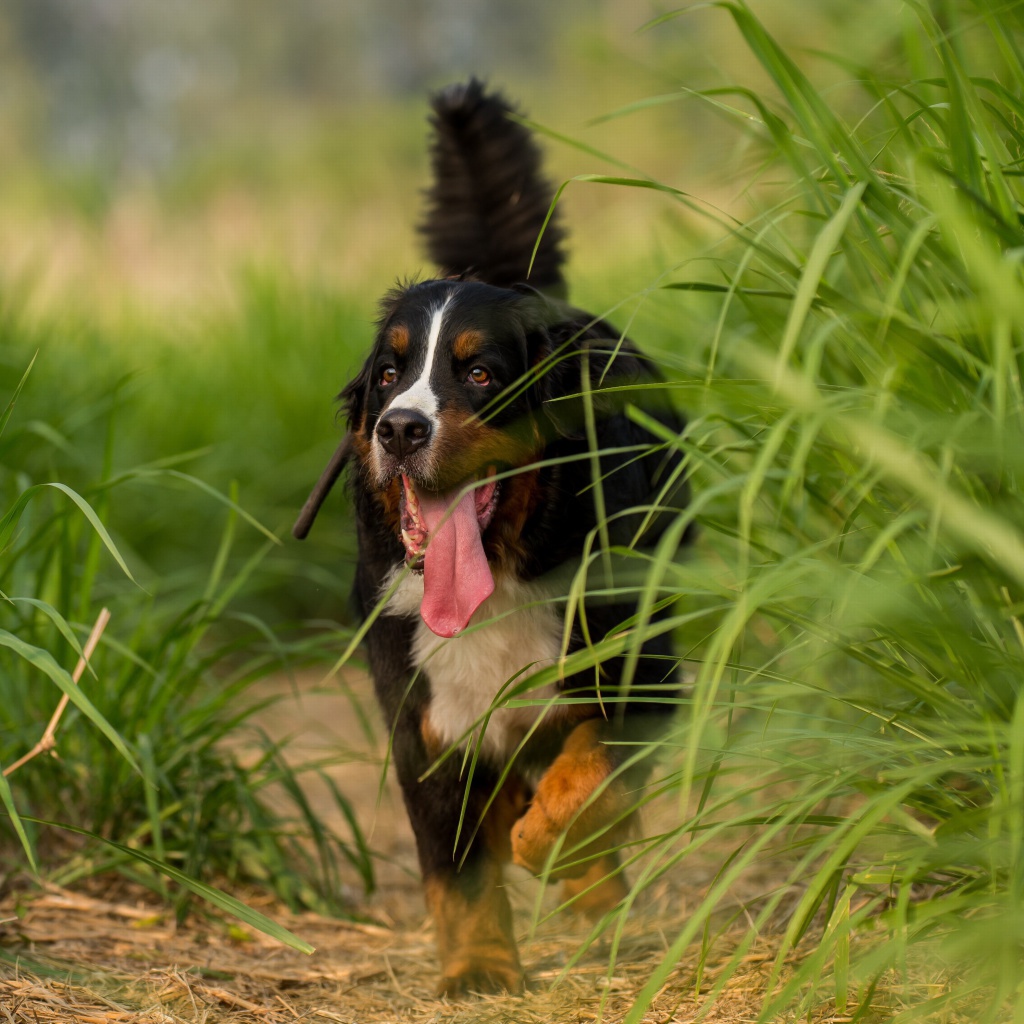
(94, 958)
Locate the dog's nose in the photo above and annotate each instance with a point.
(403, 431)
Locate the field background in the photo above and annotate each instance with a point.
(199, 207)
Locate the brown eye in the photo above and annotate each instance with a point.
(388, 376)
(478, 375)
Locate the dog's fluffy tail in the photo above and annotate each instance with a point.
(489, 198)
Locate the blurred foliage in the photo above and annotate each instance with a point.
(857, 418)
(138, 84)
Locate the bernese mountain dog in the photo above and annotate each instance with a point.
(494, 455)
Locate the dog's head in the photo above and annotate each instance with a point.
(441, 415)
(444, 397)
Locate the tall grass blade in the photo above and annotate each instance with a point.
(221, 900)
(7, 799)
(9, 522)
(6, 414)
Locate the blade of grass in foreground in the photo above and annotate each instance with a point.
(229, 904)
(10, 521)
(7, 798)
(6, 415)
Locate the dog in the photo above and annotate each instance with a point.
(491, 451)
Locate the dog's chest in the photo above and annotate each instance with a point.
(471, 675)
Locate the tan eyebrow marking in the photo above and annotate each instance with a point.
(467, 344)
(398, 337)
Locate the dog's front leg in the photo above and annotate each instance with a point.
(462, 869)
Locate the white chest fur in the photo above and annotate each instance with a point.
(473, 673)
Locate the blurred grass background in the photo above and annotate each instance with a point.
(199, 208)
(203, 207)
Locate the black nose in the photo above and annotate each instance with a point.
(402, 431)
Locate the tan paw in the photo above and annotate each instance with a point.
(481, 974)
(474, 934)
(577, 800)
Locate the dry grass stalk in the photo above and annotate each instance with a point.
(48, 741)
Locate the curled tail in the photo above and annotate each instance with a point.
(489, 197)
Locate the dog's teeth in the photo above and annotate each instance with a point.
(413, 545)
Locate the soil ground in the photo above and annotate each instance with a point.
(101, 956)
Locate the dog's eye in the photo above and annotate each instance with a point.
(388, 375)
(478, 375)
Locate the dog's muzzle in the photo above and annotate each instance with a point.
(402, 432)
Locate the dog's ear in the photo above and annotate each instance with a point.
(549, 344)
(576, 355)
(352, 398)
(555, 357)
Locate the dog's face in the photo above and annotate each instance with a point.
(442, 410)
(439, 400)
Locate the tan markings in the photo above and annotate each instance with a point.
(567, 803)
(474, 936)
(398, 339)
(465, 446)
(467, 344)
(463, 450)
(432, 742)
(360, 443)
(599, 890)
(389, 500)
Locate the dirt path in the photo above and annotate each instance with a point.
(138, 966)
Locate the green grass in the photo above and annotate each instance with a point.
(235, 399)
(177, 451)
(855, 603)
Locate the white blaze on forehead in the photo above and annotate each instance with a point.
(420, 396)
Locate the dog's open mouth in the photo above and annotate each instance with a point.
(456, 576)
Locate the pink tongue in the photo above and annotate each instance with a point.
(456, 576)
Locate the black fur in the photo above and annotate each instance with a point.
(489, 198)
